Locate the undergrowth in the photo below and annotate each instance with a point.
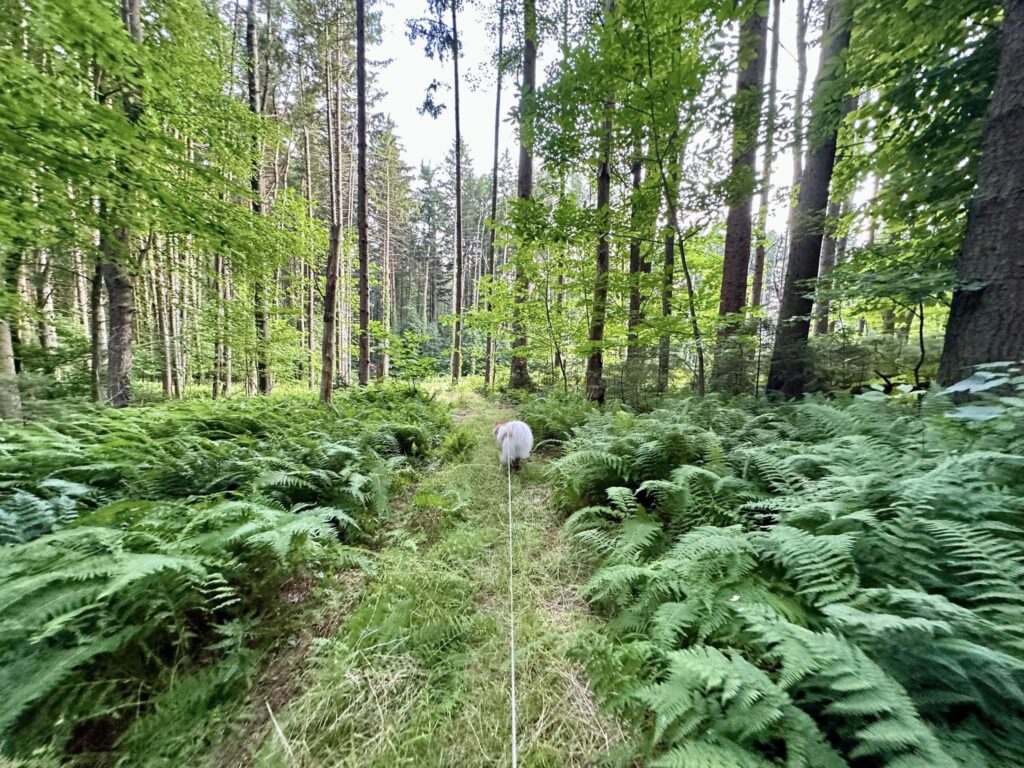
(143, 549)
(811, 585)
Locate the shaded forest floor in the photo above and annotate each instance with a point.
(410, 665)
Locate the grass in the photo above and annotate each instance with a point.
(419, 672)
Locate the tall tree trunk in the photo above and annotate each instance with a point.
(636, 263)
(426, 284)
(667, 282)
(757, 288)
(174, 319)
(387, 287)
(97, 334)
(10, 397)
(115, 245)
(519, 370)
(790, 371)
(121, 292)
(986, 319)
(307, 272)
(44, 301)
(163, 328)
(826, 263)
(746, 115)
(364, 244)
(459, 266)
(328, 344)
(803, 11)
(218, 343)
(489, 344)
(260, 315)
(228, 351)
(595, 359)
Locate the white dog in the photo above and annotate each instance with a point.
(515, 440)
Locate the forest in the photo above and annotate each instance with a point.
(752, 271)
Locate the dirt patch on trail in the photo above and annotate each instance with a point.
(282, 676)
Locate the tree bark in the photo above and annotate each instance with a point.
(10, 397)
(260, 316)
(97, 334)
(121, 292)
(489, 344)
(595, 359)
(219, 333)
(163, 329)
(44, 301)
(757, 286)
(746, 124)
(519, 372)
(387, 285)
(790, 366)
(364, 244)
(667, 282)
(328, 344)
(803, 10)
(986, 319)
(459, 266)
(826, 263)
(637, 266)
(115, 245)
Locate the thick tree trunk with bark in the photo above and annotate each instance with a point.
(163, 329)
(364, 244)
(97, 335)
(489, 344)
(757, 287)
(387, 277)
(637, 267)
(746, 124)
(121, 292)
(986, 319)
(829, 248)
(790, 371)
(459, 265)
(328, 345)
(803, 9)
(595, 359)
(115, 245)
(260, 316)
(11, 276)
(519, 372)
(10, 397)
(667, 282)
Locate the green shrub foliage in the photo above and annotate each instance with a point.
(142, 544)
(822, 584)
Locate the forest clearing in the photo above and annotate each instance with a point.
(749, 272)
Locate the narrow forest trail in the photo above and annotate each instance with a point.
(418, 674)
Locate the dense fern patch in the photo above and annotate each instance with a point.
(813, 585)
(140, 545)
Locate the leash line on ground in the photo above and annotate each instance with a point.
(512, 624)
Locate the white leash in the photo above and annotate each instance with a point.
(512, 624)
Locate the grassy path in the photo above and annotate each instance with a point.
(418, 674)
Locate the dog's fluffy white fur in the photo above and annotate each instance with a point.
(515, 440)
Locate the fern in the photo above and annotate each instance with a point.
(132, 536)
(828, 584)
